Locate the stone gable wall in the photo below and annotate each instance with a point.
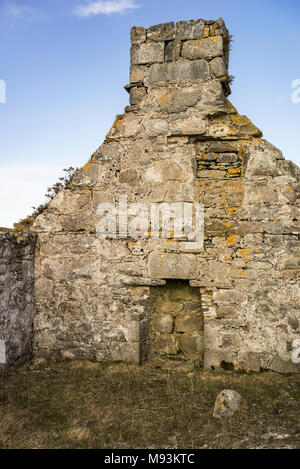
(16, 297)
(179, 140)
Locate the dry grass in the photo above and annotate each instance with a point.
(88, 405)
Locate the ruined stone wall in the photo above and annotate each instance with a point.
(180, 140)
(16, 297)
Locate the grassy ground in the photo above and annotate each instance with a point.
(88, 405)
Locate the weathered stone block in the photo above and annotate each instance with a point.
(248, 361)
(188, 126)
(217, 67)
(164, 265)
(126, 351)
(166, 306)
(227, 158)
(193, 71)
(189, 322)
(191, 344)
(149, 52)
(166, 344)
(185, 292)
(130, 176)
(280, 365)
(161, 32)
(137, 94)
(155, 128)
(137, 73)
(192, 29)
(158, 193)
(164, 324)
(211, 174)
(208, 157)
(179, 71)
(206, 48)
(138, 35)
(218, 28)
(127, 126)
(109, 152)
(142, 281)
(233, 125)
(290, 261)
(173, 50)
(177, 100)
(164, 171)
(220, 147)
(263, 163)
(262, 194)
(190, 307)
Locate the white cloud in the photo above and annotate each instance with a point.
(21, 188)
(13, 9)
(16, 11)
(105, 7)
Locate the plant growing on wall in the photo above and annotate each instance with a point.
(52, 191)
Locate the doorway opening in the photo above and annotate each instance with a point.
(176, 324)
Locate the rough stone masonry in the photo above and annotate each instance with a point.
(16, 297)
(233, 304)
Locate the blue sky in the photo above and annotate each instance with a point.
(65, 63)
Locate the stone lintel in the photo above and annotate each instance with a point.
(172, 266)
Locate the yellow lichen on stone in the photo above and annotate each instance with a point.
(243, 273)
(235, 170)
(118, 122)
(244, 253)
(87, 166)
(206, 32)
(231, 240)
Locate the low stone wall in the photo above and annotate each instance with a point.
(16, 297)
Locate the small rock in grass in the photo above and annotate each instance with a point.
(227, 403)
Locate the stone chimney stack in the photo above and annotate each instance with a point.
(179, 84)
(193, 51)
